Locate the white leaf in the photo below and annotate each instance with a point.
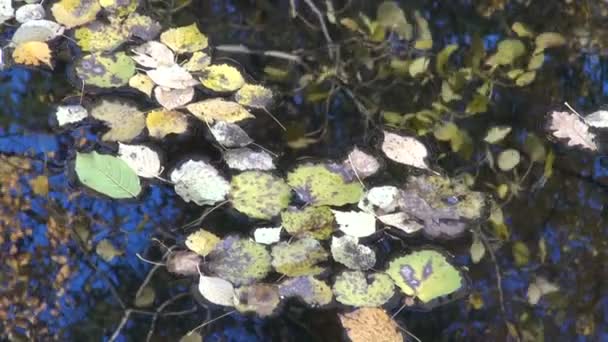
(404, 150)
(174, 77)
(70, 114)
(200, 183)
(347, 251)
(216, 290)
(597, 119)
(247, 159)
(37, 30)
(478, 250)
(153, 54)
(229, 134)
(173, 98)
(142, 159)
(267, 236)
(364, 164)
(380, 200)
(568, 126)
(540, 287)
(401, 221)
(355, 223)
(29, 12)
(6, 10)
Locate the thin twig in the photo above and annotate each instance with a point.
(275, 119)
(210, 321)
(321, 19)
(160, 309)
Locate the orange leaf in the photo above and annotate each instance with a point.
(33, 53)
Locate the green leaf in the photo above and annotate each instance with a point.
(443, 57)
(106, 250)
(259, 194)
(97, 36)
(425, 274)
(108, 175)
(507, 52)
(536, 61)
(315, 222)
(184, 39)
(548, 40)
(299, 257)
(105, 70)
(391, 16)
(318, 186)
(521, 253)
(240, 261)
(356, 289)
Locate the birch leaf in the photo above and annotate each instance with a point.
(347, 251)
(565, 125)
(310, 290)
(401, 221)
(174, 77)
(29, 12)
(508, 159)
(153, 54)
(70, 114)
(161, 123)
(184, 39)
(497, 134)
(183, 263)
(230, 134)
(240, 261)
(72, 13)
(247, 159)
(125, 120)
(222, 78)
(105, 70)
(259, 194)
(267, 236)
(142, 159)
(108, 175)
(106, 250)
(200, 183)
(357, 224)
(358, 289)
(173, 98)
(370, 324)
(298, 258)
(33, 53)
(540, 287)
(255, 96)
(97, 36)
(219, 109)
(37, 31)
(143, 83)
(365, 165)
(198, 62)
(404, 150)
(216, 290)
(262, 299)
(597, 119)
(202, 242)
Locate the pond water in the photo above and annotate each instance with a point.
(543, 275)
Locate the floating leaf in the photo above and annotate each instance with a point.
(315, 222)
(568, 126)
(125, 120)
(547, 40)
(258, 194)
(380, 200)
(356, 289)
(142, 83)
(199, 182)
(317, 185)
(141, 26)
(198, 62)
(183, 263)
(507, 52)
(37, 31)
(184, 39)
(267, 236)
(222, 78)
(153, 54)
(219, 109)
(216, 290)
(404, 150)
(347, 251)
(202, 242)
(33, 53)
(508, 159)
(6, 10)
(363, 164)
(72, 13)
(161, 123)
(247, 159)
(496, 134)
(239, 261)
(425, 274)
(401, 221)
(370, 324)
(142, 159)
(312, 291)
(357, 224)
(597, 119)
(106, 250)
(105, 70)
(173, 98)
(174, 77)
(97, 36)
(255, 96)
(108, 175)
(230, 134)
(298, 258)
(29, 12)
(145, 298)
(540, 287)
(262, 299)
(119, 8)
(70, 114)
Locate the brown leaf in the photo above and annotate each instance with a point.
(183, 262)
(370, 324)
(568, 126)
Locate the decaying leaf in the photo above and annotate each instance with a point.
(199, 182)
(153, 55)
(222, 78)
(216, 290)
(161, 123)
(380, 200)
(105, 70)
(106, 250)
(33, 53)
(318, 185)
(356, 223)
(259, 194)
(370, 324)
(108, 175)
(299, 257)
(219, 109)
(142, 83)
(247, 159)
(311, 290)
(198, 62)
(230, 134)
(72, 13)
(347, 251)
(173, 98)
(363, 164)
(404, 150)
(183, 263)
(401, 221)
(173, 77)
(70, 114)
(356, 289)
(6, 10)
(425, 274)
(315, 222)
(141, 26)
(262, 299)
(239, 261)
(184, 39)
(540, 287)
(98, 36)
(142, 159)
(37, 31)
(255, 96)
(202, 242)
(125, 120)
(267, 236)
(565, 125)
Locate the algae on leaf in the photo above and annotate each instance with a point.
(184, 39)
(317, 185)
(239, 261)
(72, 13)
(299, 257)
(347, 251)
(425, 274)
(259, 194)
(125, 120)
(315, 222)
(356, 289)
(253, 95)
(105, 70)
(199, 182)
(222, 78)
(219, 109)
(108, 175)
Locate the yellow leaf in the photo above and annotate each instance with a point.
(160, 123)
(72, 13)
(33, 53)
(40, 185)
(222, 78)
(202, 242)
(219, 109)
(143, 83)
(184, 39)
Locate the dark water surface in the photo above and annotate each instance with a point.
(63, 291)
